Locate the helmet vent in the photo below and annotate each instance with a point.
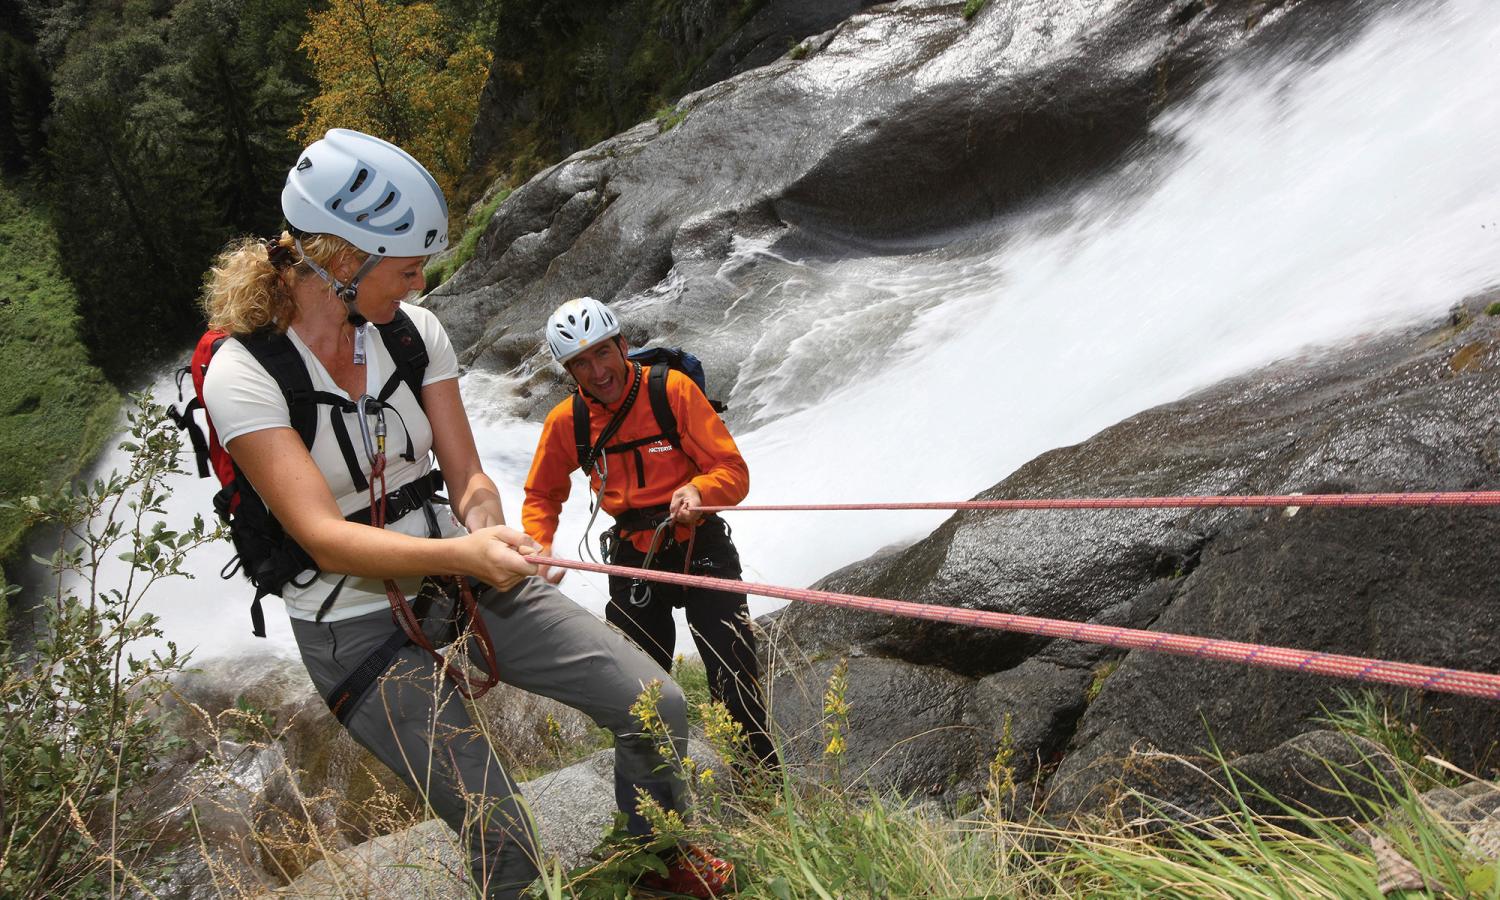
(359, 179)
(361, 217)
(335, 203)
(402, 227)
(389, 198)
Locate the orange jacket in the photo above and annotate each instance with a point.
(708, 459)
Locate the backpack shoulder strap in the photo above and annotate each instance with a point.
(656, 390)
(404, 343)
(280, 359)
(581, 429)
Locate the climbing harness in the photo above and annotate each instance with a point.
(405, 617)
(345, 696)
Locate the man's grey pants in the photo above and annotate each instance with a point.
(544, 643)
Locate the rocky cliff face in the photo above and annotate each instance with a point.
(1410, 412)
(898, 125)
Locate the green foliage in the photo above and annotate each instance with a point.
(168, 135)
(1392, 724)
(25, 95)
(587, 69)
(972, 8)
(1493, 309)
(692, 676)
(1096, 684)
(443, 267)
(670, 116)
(79, 747)
(56, 410)
(402, 71)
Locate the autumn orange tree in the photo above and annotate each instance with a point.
(400, 71)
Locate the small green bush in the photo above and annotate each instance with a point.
(442, 269)
(80, 747)
(972, 8)
(1493, 309)
(669, 116)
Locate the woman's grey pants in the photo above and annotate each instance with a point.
(544, 643)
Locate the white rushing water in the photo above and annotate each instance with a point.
(1296, 204)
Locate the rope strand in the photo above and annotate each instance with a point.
(1407, 675)
(1432, 498)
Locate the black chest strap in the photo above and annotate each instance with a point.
(589, 450)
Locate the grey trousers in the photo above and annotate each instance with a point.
(544, 643)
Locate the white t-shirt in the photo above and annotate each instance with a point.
(241, 397)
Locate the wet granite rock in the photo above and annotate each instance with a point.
(1413, 411)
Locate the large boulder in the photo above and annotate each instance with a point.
(903, 121)
(1414, 411)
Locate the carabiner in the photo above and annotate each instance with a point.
(374, 448)
(642, 597)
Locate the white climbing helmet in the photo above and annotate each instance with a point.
(577, 325)
(369, 192)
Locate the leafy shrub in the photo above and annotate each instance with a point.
(79, 744)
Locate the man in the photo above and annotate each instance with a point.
(652, 481)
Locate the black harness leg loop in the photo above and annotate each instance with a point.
(345, 696)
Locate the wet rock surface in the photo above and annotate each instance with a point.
(1415, 411)
(884, 133)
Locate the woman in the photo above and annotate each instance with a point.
(363, 215)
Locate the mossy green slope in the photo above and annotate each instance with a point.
(56, 409)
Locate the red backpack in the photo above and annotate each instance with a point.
(209, 453)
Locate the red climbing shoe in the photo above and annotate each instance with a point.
(696, 873)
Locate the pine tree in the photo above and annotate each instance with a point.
(25, 106)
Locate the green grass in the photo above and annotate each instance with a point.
(669, 116)
(692, 677)
(56, 409)
(972, 8)
(804, 835)
(443, 269)
(1492, 310)
(1394, 725)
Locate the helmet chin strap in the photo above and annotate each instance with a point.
(349, 293)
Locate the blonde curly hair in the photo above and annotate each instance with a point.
(250, 284)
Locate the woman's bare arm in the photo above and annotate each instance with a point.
(284, 474)
(475, 498)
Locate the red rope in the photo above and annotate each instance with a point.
(1437, 498)
(1408, 675)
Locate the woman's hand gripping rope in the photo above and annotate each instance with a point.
(496, 556)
